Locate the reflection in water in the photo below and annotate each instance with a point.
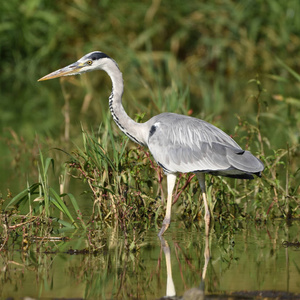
(196, 293)
(128, 266)
(170, 292)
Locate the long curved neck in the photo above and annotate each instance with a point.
(131, 128)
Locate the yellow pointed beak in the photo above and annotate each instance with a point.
(72, 69)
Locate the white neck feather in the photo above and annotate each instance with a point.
(131, 128)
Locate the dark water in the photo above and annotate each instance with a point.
(243, 261)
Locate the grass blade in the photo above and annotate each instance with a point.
(59, 203)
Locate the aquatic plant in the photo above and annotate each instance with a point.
(118, 178)
(39, 201)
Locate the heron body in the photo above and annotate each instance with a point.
(178, 143)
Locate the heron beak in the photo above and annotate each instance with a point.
(66, 71)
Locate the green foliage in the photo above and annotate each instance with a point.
(211, 48)
(198, 58)
(43, 201)
(119, 178)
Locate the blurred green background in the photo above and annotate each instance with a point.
(193, 57)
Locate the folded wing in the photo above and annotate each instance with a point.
(184, 144)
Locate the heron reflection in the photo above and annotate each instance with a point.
(196, 293)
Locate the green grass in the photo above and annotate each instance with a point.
(211, 49)
(41, 201)
(126, 186)
(231, 63)
(118, 177)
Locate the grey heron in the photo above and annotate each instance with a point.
(178, 143)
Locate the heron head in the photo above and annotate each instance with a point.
(95, 60)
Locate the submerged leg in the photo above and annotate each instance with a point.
(201, 179)
(171, 179)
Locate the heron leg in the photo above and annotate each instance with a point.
(201, 179)
(171, 179)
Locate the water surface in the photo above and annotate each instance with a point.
(243, 261)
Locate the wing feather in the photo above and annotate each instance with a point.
(185, 144)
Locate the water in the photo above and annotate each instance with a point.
(248, 260)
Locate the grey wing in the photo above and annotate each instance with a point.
(184, 144)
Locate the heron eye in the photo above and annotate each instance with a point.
(89, 62)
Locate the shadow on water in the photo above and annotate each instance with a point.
(246, 263)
